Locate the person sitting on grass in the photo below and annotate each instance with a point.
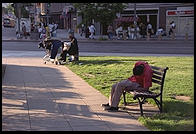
(140, 80)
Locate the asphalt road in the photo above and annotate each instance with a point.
(165, 47)
(121, 47)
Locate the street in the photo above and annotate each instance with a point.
(114, 47)
(172, 48)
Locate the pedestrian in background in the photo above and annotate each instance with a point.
(159, 33)
(143, 30)
(24, 30)
(82, 30)
(149, 30)
(32, 27)
(40, 30)
(87, 33)
(92, 31)
(47, 31)
(54, 30)
(131, 30)
(138, 32)
(172, 30)
(186, 29)
(110, 32)
(119, 32)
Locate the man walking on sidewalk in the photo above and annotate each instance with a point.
(24, 30)
(92, 31)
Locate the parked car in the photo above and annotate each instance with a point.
(7, 22)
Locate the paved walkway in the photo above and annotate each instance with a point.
(47, 97)
(62, 34)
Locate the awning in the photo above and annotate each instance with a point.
(126, 19)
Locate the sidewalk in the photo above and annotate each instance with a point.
(47, 97)
(62, 34)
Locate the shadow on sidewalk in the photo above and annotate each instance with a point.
(40, 90)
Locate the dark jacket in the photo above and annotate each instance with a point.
(74, 47)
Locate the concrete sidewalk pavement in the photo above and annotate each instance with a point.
(47, 97)
(62, 34)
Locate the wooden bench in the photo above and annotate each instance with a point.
(158, 78)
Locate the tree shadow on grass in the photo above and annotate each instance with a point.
(176, 116)
(181, 108)
(109, 61)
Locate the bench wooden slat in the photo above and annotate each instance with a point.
(158, 73)
(156, 81)
(145, 94)
(156, 77)
(156, 68)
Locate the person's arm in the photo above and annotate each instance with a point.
(72, 41)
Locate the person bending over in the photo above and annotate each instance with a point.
(140, 80)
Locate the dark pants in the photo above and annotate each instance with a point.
(55, 46)
(64, 56)
(170, 31)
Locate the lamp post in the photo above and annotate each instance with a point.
(135, 24)
(18, 8)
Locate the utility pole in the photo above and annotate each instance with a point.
(18, 7)
(135, 23)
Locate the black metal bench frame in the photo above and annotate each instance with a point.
(158, 77)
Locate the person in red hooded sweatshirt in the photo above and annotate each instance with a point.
(140, 80)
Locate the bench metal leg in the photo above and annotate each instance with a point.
(159, 104)
(141, 109)
(124, 98)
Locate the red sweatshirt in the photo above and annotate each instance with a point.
(145, 80)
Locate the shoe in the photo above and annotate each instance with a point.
(52, 60)
(105, 105)
(62, 62)
(111, 109)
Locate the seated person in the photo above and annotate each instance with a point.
(140, 80)
(73, 50)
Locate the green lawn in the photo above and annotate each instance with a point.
(102, 72)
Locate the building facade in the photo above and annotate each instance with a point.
(158, 14)
(63, 14)
(161, 14)
(183, 17)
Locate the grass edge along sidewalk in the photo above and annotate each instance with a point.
(178, 115)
